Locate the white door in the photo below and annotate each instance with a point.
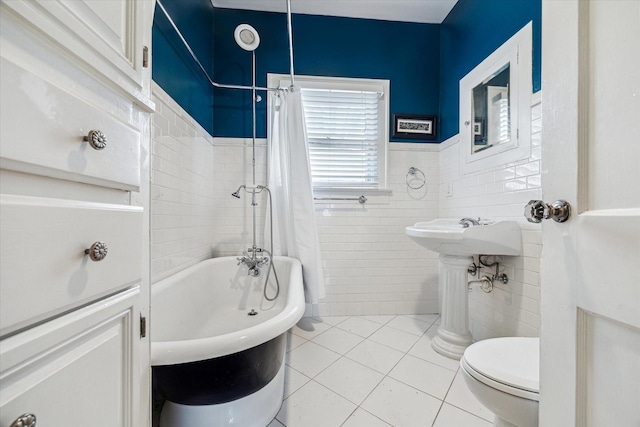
(590, 271)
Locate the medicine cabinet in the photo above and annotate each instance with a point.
(495, 106)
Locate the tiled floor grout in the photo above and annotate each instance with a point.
(443, 400)
(384, 376)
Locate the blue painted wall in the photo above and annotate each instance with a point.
(172, 66)
(424, 62)
(232, 108)
(471, 32)
(404, 53)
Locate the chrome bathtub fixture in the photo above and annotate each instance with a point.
(466, 222)
(96, 139)
(416, 175)
(236, 193)
(253, 189)
(253, 261)
(97, 252)
(537, 210)
(253, 257)
(248, 39)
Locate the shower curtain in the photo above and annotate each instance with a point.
(294, 226)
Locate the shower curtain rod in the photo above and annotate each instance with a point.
(220, 85)
(290, 33)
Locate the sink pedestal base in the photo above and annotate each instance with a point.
(453, 335)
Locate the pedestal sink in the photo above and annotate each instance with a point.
(456, 246)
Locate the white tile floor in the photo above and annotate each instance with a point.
(373, 371)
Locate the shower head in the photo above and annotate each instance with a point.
(236, 193)
(247, 37)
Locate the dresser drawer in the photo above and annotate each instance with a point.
(78, 370)
(42, 132)
(44, 269)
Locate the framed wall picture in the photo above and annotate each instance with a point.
(414, 126)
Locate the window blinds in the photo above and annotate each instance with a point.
(344, 131)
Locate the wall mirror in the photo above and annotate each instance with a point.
(495, 102)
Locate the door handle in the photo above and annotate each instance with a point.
(537, 210)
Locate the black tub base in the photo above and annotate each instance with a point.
(225, 390)
(255, 410)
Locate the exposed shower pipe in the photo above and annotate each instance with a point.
(253, 141)
(253, 86)
(226, 86)
(248, 39)
(253, 261)
(251, 45)
(290, 31)
(195, 58)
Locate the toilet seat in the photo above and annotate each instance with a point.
(510, 365)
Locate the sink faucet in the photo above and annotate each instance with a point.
(466, 222)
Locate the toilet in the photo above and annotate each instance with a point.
(503, 374)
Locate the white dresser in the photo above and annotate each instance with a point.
(74, 222)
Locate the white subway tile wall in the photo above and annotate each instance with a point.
(502, 192)
(233, 231)
(182, 198)
(371, 266)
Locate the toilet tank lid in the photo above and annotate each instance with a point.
(513, 361)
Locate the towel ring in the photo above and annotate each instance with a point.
(421, 179)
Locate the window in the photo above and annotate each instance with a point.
(343, 134)
(347, 128)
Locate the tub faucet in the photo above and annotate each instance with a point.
(466, 222)
(253, 261)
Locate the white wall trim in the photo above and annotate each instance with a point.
(237, 142)
(449, 142)
(409, 146)
(536, 98)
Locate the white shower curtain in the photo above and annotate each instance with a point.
(294, 226)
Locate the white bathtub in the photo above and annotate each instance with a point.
(201, 323)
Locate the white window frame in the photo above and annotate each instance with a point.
(355, 84)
